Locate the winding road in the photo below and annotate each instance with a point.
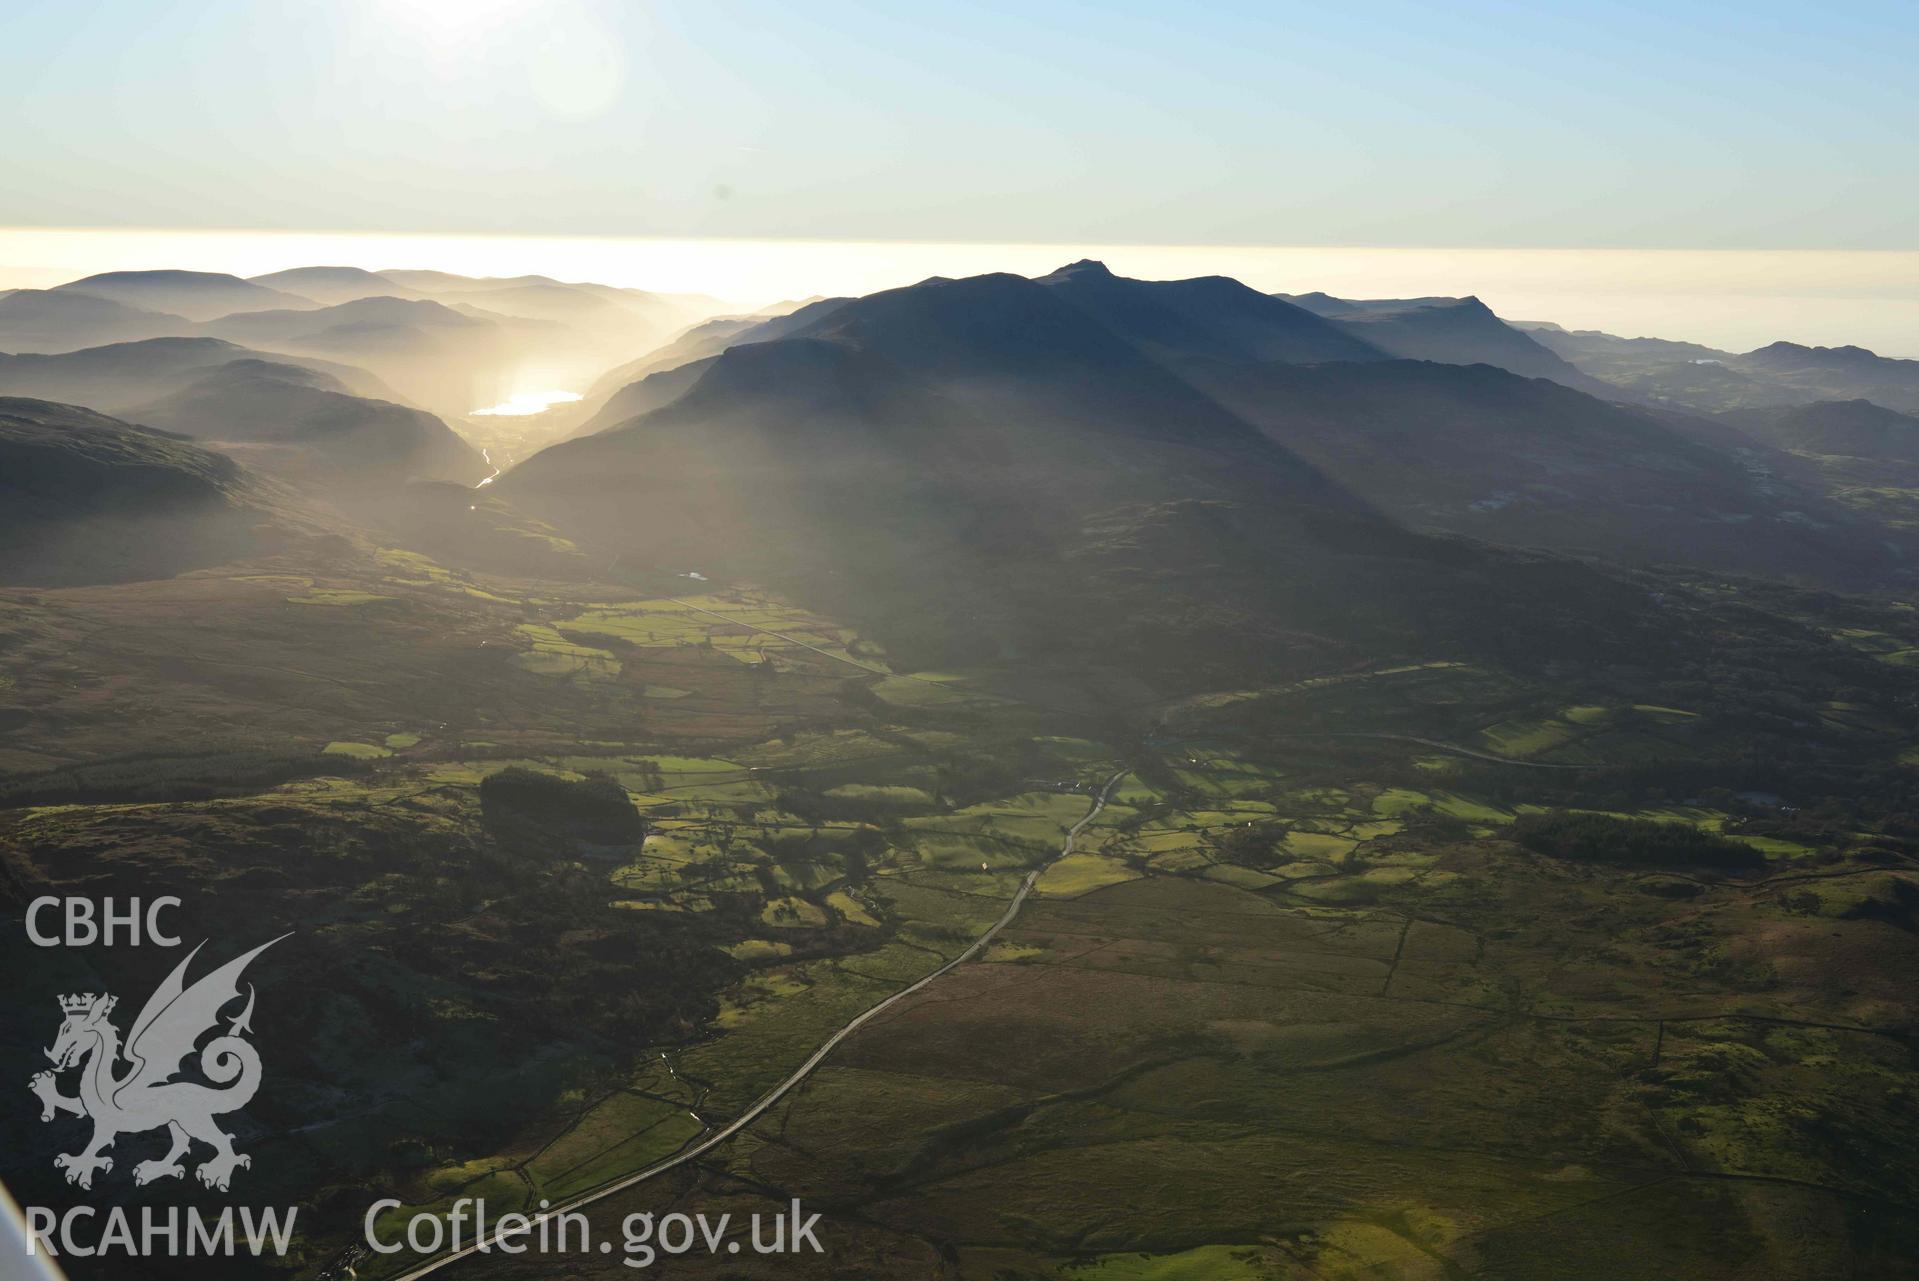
(799, 1074)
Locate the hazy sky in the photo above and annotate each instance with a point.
(1468, 123)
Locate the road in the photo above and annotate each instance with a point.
(800, 1073)
(1455, 748)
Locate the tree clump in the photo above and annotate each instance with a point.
(1630, 842)
(528, 807)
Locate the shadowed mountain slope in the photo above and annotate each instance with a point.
(978, 469)
(1209, 317)
(1457, 449)
(653, 391)
(85, 498)
(293, 421)
(1474, 450)
(119, 376)
(1003, 344)
(1206, 319)
(598, 409)
(1852, 428)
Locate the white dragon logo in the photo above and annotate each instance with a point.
(147, 1097)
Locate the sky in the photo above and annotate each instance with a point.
(1489, 123)
(1729, 172)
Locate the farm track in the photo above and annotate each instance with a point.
(1441, 745)
(799, 1074)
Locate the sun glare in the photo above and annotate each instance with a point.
(452, 15)
(526, 404)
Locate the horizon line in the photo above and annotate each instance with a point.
(938, 241)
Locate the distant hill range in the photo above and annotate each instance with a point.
(193, 295)
(326, 286)
(451, 343)
(1691, 376)
(431, 353)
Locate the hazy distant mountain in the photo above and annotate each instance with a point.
(1609, 356)
(196, 295)
(46, 320)
(1455, 331)
(570, 302)
(298, 422)
(85, 498)
(437, 355)
(1838, 373)
(455, 343)
(448, 282)
(787, 306)
(329, 285)
(360, 313)
(1852, 428)
(448, 341)
(1713, 381)
(119, 376)
(1321, 303)
(588, 307)
(980, 468)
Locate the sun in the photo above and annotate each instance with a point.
(454, 18)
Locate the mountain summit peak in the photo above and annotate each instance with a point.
(1084, 267)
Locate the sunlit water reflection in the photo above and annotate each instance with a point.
(527, 403)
